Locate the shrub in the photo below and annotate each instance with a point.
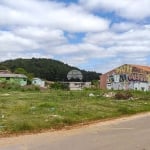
(58, 85)
(30, 88)
(17, 87)
(9, 86)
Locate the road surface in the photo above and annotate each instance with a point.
(131, 133)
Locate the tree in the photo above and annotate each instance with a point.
(23, 71)
(47, 69)
(3, 67)
(95, 83)
(20, 71)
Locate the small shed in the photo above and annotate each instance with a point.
(38, 82)
(13, 78)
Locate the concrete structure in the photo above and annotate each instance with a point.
(79, 85)
(38, 82)
(8, 77)
(127, 77)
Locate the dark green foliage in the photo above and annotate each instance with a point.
(48, 69)
(95, 84)
(16, 87)
(123, 95)
(20, 71)
(23, 71)
(3, 67)
(58, 85)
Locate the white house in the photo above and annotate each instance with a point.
(38, 82)
(79, 85)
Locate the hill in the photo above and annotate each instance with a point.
(48, 69)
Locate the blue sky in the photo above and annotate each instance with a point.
(95, 35)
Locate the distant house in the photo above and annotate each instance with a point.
(38, 82)
(6, 76)
(78, 85)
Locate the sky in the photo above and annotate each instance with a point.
(95, 35)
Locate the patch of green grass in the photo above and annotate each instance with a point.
(126, 110)
(35, 110)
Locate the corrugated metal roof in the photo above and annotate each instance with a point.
(12, 75)
(145, 68)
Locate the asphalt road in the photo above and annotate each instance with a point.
(131, 133)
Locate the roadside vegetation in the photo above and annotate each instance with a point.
(33, 110)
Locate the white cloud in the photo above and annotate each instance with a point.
(130, 9)
(136, 37)
(75, 60)
(124, 26)
(29, 28)
(45, 37)
(83, 50)
(127, 47)
(51, 29)
(10, 42)
(39, 33)
(110, 64)
(49, 13)
(14, 55)
(29, 39)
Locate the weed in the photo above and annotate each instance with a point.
(35, 110)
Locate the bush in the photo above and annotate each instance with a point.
(30, 88)
(17, 87)
(9, 86)
(123, 95)
(58, 85)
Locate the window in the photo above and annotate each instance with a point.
(24, 79)
(142, 88)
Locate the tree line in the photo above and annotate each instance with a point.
(47, 69)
